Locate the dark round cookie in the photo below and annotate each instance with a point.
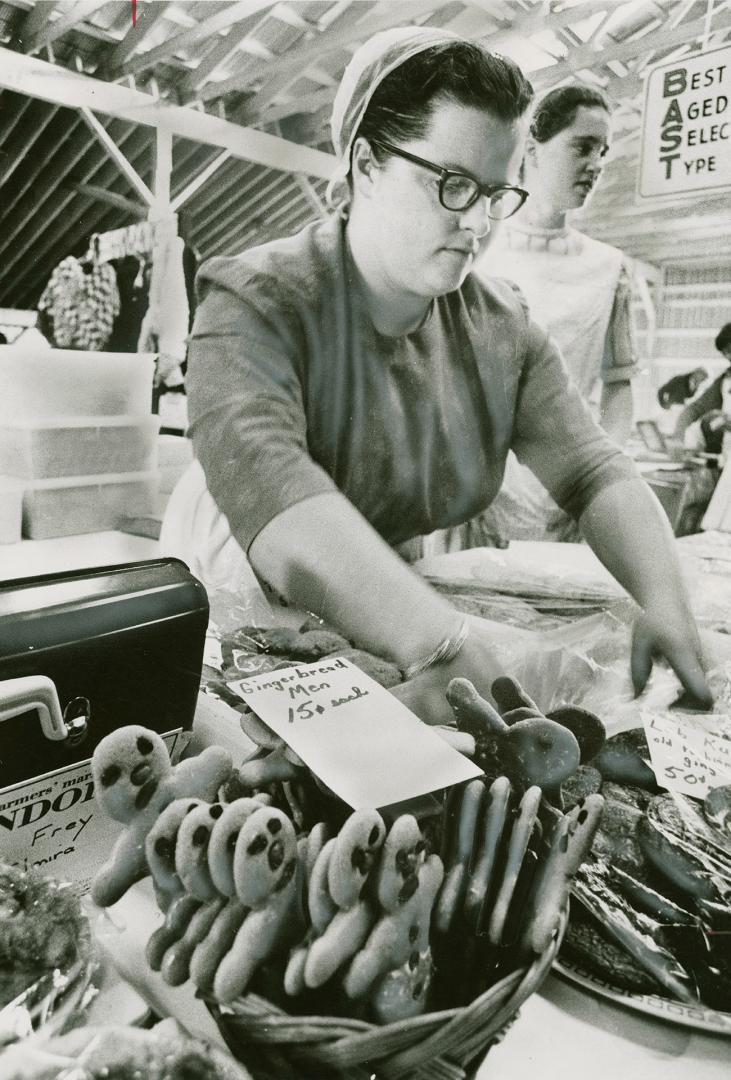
(585, 726)
(624, 759)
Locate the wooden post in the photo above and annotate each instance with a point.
(163, 169)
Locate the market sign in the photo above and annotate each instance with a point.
(353, 734)
(686, 129)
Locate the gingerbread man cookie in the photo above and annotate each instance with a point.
(134, 781)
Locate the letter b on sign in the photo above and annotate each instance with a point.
(674, 82)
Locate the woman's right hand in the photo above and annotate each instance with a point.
(426, 694)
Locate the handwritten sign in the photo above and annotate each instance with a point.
(354, 735)
(686, 128)
(686, 755)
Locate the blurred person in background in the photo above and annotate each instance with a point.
(578, 289)
(712, 407)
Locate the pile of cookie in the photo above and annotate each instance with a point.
(375, 917)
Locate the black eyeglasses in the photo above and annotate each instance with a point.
(457, 191)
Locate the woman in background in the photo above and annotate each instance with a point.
(577, 288)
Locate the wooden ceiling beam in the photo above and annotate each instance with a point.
(103, 195)
(9, 118)
(29, 206)
(147, 17)
(587, 57)
(298, 106)
(32, 135)
(235, 184)
(37, 78)
(278, 77)
(54, 149)
(51, 240)
(34, 22)
(248, 207)
(48, 31)
(280, 73)
(133, 178)
(231, 14)
(258, 232)
(280, 218)
(202, 178)
(537, 21)
(219, 54)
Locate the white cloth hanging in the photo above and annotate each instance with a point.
(165, 326)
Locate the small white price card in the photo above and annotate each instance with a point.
(353, 734)
(686, 755)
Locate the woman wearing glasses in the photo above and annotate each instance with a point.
(354, 387)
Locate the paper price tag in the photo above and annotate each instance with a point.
(686, 756)
(354, 735)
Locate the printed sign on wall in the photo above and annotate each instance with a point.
(686, 129)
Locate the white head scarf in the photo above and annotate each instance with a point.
(367, 69)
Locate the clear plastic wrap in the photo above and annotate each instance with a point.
(586, 663)
(46, 956)
(93, 1053)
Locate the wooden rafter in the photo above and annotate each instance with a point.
(34, 22)
(67, 229)
(48, 31)
(28, 75)
(137, 34)
(117, 156)
(234, 13)
(202, 178)
(280, 73)
(219, 54)
(588, 57)
(538, 20)
(163, 171)
(299, 105)
(33, 133)
(103, 195)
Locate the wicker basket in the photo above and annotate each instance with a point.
(448, 1045)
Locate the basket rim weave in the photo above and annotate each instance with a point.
(433, 1046)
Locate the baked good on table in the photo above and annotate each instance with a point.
(42, 929)
(121, 1053)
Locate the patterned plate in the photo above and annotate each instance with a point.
(675, 1012)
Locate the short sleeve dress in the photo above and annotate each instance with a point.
(578, 290)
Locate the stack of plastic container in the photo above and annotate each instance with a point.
(76, 433)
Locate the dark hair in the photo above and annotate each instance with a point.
(460, 71)
(723, 337)
(557, 109)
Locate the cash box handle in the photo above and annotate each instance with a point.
(38, 692)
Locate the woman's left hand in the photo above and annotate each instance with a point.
(671, 635)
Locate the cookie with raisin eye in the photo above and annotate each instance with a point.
(134, 780)
(191, 850)
(265, 856)
(128, 767)
(403, 852)
(223, 839)
(160, 850)
(356, 848)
